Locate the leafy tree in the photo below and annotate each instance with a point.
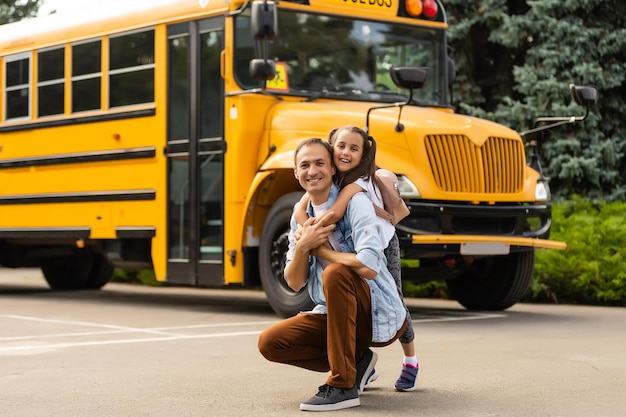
(14, 10)
(515, 60)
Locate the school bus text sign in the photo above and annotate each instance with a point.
(373, 5)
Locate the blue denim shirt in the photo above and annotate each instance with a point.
(359, 232)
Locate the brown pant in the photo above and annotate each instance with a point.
(327, 342)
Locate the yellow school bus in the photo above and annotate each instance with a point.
(161, 134)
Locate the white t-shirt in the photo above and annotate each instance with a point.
(374, 194)
(318, 211)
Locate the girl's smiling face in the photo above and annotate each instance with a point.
(347, 151)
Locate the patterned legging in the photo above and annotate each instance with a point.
(392, 253)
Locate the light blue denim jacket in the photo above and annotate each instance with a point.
(359, 232)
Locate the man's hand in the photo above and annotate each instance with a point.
(321, 220)
(314, 233)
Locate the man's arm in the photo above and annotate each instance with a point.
(366, 236)
(348, 259)
(313, 234)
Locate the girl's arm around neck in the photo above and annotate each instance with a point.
(300, 210)
(344, 197)
(339, 207)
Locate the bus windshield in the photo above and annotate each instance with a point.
(345, 58)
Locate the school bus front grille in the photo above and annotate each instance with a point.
(458, 165)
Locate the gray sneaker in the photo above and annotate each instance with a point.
(330, 398)
(365, 370)
(373, 377)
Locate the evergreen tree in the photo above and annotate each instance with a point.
(14, 10)
(515, 60)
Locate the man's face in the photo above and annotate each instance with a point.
(314, 170)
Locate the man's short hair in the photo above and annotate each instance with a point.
(313, 141)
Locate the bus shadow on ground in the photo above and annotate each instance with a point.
(247, 301)
(195, 299)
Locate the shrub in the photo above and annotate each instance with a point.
(135, 276)
(591, 270)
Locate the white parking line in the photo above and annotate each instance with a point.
(479, 316)
(83, 323)
(165, 336)
(117, 329)
(117, 342)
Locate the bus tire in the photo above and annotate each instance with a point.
(272, 252)
(101, 272)
(68, 272)
(494, 283)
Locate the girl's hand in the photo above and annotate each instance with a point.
(298, 233)
(325, 218)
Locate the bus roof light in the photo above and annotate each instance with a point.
(414, 7)
(430, 9)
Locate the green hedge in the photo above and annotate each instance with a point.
(135, 276)
(592, 269)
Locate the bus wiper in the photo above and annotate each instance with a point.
(387, 93)
(254, 91)
(316, 95)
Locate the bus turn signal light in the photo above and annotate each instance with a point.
(425, 8)
(414, 7)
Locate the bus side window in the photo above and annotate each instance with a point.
(86, 75)
(50, 82)
(17, 89)
(131, 70)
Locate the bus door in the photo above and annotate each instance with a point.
(195, 150)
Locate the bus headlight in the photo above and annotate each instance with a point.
(407, 188)
(542, 191)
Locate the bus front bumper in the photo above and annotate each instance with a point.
(486, 245)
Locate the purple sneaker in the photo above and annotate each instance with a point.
(406, 381)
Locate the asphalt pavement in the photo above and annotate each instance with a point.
(129, 350)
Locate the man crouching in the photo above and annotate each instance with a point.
(357, 302)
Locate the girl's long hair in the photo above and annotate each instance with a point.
(366, 167)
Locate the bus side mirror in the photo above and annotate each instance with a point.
(584, 95)
(262, 69)
(264, 20)
(264, 27)
(410, 78)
